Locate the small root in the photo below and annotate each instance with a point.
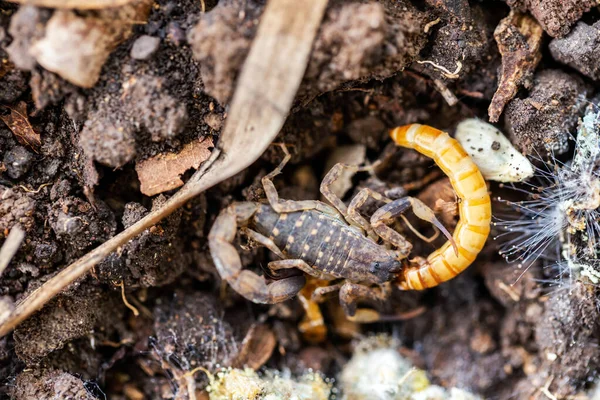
(127, 303)
(450, 97)
(26, 189)
(509, 291)
(431, 24)
(445, 71)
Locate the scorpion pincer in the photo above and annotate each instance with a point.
(330, 243)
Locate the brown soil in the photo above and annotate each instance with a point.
(373, 67)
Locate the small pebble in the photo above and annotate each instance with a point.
(144, 47)
(17, 161)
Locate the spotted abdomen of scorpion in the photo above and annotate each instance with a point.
(328, 244)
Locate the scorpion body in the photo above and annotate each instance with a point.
(338, 244)
(327, 244)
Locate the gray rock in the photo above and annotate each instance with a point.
(144, 47)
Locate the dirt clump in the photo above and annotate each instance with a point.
(84, 310)
(566, 346)
(16, 207)
(355, 42)
(555, 16)
(154, 258)
(81, 224)
(46, 384)
(580, 49)
(542, 120)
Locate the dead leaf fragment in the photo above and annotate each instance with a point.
(257, 347)
(74, 4)
(163, 172)
(5, 67)
(18, 122)
(519, 39)
(76, 47)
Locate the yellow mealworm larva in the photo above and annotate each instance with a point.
(475, 206)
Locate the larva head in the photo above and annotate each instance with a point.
(493, 153)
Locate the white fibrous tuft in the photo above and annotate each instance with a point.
(560, 222)
(493, 153)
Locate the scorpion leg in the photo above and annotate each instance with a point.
(351, 293)
(262, 240)
(320, 294)
(358, 202)
(388, 212)
(227, 261)
(298, 264)
(333, 175)
(288, 206)
(349, 296)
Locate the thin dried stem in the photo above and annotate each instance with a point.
(10, 246)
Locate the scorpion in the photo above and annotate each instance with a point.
(336, 243)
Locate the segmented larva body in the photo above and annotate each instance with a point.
(475, 207)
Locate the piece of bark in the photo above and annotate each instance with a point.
(519, 39)
(163, 171)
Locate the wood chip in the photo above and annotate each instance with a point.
(163, 172)
(75, 4)
(519, 39)
(18, 122)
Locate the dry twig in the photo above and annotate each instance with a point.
(10, 247)
(265, 90)
(75, 4)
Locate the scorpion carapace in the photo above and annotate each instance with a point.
(475, 207)
(329, 243)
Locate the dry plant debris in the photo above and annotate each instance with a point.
(519, 39)
(17, 121)
(10, 246)
(75, 4)
(76, 47)
(163, 171)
